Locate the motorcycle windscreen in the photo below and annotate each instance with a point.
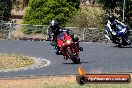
(119, 27)
(61, 38)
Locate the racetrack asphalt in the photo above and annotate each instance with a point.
(96, 58)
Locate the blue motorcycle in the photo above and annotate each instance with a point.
(119, 36)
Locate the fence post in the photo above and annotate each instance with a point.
(47, 31)
(84, 34)
(9, 35)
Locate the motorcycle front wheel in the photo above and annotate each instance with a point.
(73, 57)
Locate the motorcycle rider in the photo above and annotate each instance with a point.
(55, 30)
(111, 26)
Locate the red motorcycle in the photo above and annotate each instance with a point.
(67, 47)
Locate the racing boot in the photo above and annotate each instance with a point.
(57, 51)
(76, 40)
(80, 48)
(65, 58)
(53, 43)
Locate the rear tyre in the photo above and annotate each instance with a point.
(73, 57)
(128, 42)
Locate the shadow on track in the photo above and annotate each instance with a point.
(75, 64)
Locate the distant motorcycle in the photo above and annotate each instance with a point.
(67, 47)
(120, 35)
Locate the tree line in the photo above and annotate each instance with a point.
(42, 11)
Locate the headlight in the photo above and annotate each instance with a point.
(68, 42)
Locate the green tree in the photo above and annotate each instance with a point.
(128, 14)
(108, 5)
(5, 9)
(42, 11)
(116, 6)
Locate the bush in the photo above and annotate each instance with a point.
(87, 17)
(42, 11)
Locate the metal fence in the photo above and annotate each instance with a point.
(31, 30)
(7, 31)
(13, 31)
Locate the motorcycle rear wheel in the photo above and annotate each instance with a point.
(128, 42)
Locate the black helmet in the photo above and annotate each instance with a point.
(111, 18)
(54, 25)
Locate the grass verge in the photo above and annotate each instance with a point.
(14, 61)
(54, 82)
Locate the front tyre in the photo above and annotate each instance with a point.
(73, 57)
(108, 35)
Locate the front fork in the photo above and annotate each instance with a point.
(74, 51)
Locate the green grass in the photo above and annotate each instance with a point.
(75, 85)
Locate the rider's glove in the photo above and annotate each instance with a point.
(113, 32)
